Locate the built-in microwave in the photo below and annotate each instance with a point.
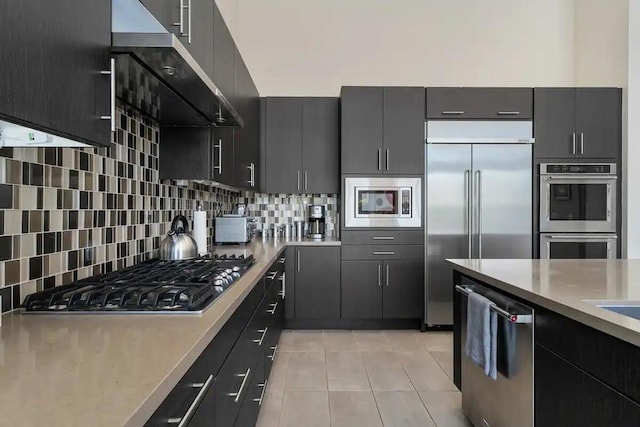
(578, 198)
(383, 202)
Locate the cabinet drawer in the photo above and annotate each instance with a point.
(383, 237)
(388, 252)
(480, 103)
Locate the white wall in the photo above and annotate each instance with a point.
(312, 47)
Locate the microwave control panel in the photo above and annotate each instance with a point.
(406, 202)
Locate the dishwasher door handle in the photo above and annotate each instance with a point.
(512, 317)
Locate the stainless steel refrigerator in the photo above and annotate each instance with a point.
(478, 199)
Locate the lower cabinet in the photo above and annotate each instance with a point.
(225, 386)
(317, 282)
(382, 289)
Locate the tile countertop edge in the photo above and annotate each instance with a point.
(607, 322)
(146, 409)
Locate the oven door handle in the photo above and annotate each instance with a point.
(600, 237)
(581, 177)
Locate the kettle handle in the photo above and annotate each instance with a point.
(183, 220)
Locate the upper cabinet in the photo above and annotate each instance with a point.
(479, 103)
(577, 123)
(301, 145)
(56, 68)
(382, 130)
(224, 50)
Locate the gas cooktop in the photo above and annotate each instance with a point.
(151, 287)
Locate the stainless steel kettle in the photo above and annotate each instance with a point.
(178, 243)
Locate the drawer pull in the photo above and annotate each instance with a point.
(264, 332)
(274, 306)
(273, 355)
(181, 422)
(282, 260)
(264, 387)
(383, 238)
(452, 113)
(384, 253)
(508, 113)
(238, 394)
(272, 275)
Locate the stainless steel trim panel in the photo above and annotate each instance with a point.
(480, 132)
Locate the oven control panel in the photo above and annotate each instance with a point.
(406, 201)
(578, 168)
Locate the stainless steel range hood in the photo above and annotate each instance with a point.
(136, 32)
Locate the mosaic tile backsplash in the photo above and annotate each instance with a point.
(67, 214)
(287, 208)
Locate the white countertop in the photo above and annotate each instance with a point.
(563, 286)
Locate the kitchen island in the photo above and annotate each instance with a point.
(112, 370)
(586, 369)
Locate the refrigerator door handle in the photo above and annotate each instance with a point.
(479, 210)
(468, 189)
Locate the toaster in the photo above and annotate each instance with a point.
(234, 229)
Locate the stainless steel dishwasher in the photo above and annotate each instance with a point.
(508, 400)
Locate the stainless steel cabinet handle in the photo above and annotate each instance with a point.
(515, 318)
(305, 180)
(298, 180)
(379, 159)
(282, 260)
(379, 275)
(190, 27)
(264, 388)
(274, 307)
(218, 147)
(387, 159)
(284, 284)
(508, 113)
(204, 387)
(452, 113)
(479, 214)
(298, 260)
(581, 143)
(387, 275)
(112, 99)
(383, 253)
(467, 183)
(238, 394)
(275, 350)
(580, 237)
(264, 332)
(570, 177)
(181, 23)
(383, 238)
(573, 143)
(272, 275)
(252, 174)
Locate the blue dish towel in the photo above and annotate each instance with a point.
(482, 334)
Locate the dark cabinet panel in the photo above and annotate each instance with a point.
(289, 283)
(403, 130)
(361, 289)
(321, 145)
(361, 130)
(317, 283)
(598, 122)
(383, 237)
(222, 161)
(554, 124)
(283, 154)
(379, 252)
(246, 139)
(206, 412)
(479, 103)
(52, 57)
(403, 290)
(567, 396)
(186, 153)
(223, 56)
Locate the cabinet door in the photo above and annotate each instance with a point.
(223, 52)
(206, 412)
(361, 289)
(479, 103)
(554, 124)
(187, 153)
(283, 156)
(403, 290)
(223, 156)
(361, 130)
(200, 42)
(246, 139)
(598, 122)
(52, 56)
(568, 396)
(321, 145)
(403, 126)
(317, 294)
(289, 282)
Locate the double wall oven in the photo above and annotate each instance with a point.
(578, 210)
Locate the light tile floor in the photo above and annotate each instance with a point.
(362, 379)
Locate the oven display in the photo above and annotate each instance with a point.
(578, 168)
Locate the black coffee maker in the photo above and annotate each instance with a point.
(317, 218)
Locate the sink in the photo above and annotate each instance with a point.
(626, 308)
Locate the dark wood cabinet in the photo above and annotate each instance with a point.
(361, 130)
(222, 163)
(577, 123)
(382, 130)
(320, 145)
(403, 290)
(52, 58)
(301, 148)
(403, 130)
(479, 103)
(223, 56)
(289, 284)
(567, 396)
(283, 154)
(383, 237)
(246, 139)
(317, 282)
(361, 294)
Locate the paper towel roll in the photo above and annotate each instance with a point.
(200, 231)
